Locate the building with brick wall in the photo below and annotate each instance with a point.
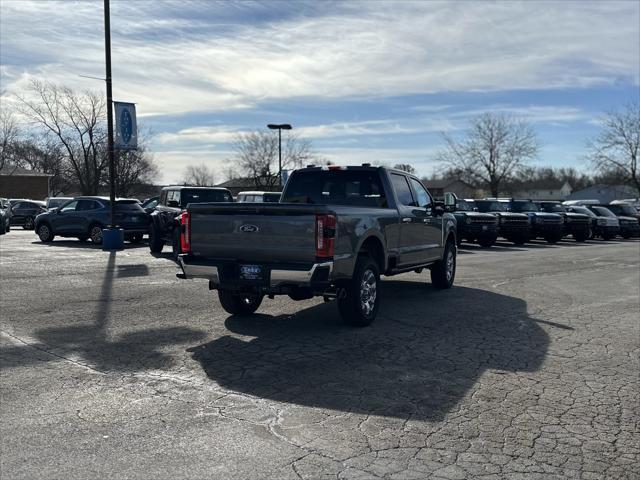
(22, 183)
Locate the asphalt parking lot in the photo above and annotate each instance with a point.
(527, 368)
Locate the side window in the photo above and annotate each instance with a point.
(70, 207)
(173, 196)
(402, 189)
(87, 205)
(424, 199)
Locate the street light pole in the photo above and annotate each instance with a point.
(279, 127)
(107, 55)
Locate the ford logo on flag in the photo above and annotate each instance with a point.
(249, 228)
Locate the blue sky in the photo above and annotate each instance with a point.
(365, 81)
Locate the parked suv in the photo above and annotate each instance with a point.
(512, 226)
(604, 226)
(85, 217)
(545, 225)
(165, 224)
(578, 225)
(24, 212)
(55, 202)
(472, 225)
(628, 217)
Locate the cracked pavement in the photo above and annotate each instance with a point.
(527, 368)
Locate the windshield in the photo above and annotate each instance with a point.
(552, 207)
(521, 207)
(583, 210)
(464, 206)
(337, 187)
(56, 202)
(490, 206)
(620, 209)
(128, 206)
(603, 212)
(205, 196)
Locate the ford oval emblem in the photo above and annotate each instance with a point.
(249, 228)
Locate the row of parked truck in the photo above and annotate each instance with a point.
(332, 233)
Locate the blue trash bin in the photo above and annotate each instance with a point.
(112, 239)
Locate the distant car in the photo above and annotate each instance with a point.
(24, 212)
(545, 225)
(165, 227)
(55, 202)
(604, 225)
(474, 226)
(578, 225)
(515, 227)
(258, 197)
(627, 216)
(85, 217)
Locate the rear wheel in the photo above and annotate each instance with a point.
(28, 223)
(155, 240)
(44, 233)
(359, 300)
(239, 303)
(95, 234)
(443, 273)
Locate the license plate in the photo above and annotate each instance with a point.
(484, 227)
(250, 272)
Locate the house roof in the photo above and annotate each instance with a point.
(12, 170)
(549, 184)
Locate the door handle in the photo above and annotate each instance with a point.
(406, 220)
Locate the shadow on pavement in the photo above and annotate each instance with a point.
(424, 353)
(69, 243)
(93, 345)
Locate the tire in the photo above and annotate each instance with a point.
(156, 244)
(519, 240)
(28, 223)
(45, 233)
(95, 234)
(487, 242)
(552, 238)
(582, 236)
(137, 238)
(626, 236)
(606, 237)
(176, 246)
(443, 273)
(239, 303)
(359, 300)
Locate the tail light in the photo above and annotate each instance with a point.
(185, 232)
(325, 235)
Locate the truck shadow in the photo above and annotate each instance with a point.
(423, 355)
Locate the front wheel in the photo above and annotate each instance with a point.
(582, 236)
(626, 236)
(359, 300)
(552, 238)
(487, 242)
(443, 273)
(155, 240)
(28, 223)
(44, 233)
(239, 303)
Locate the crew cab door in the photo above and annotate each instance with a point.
(167, 209)
(414, 246)
(432, 223)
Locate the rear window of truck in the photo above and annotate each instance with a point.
(205, 196)
(336, 187)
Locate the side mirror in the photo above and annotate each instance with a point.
(450, 199)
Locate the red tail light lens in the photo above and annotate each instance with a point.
(325, 235)
(185, 232)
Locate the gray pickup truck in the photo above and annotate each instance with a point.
(334, 232)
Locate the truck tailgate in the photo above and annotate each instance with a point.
(276, 233)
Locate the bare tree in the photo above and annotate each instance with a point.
(405, 167)
(198, 176)
(494, 148)
(8, 138)
(134, 168)
(616, 148)
(77, 121)
(43, 154)
(256, 156)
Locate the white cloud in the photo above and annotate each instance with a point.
(361, 49)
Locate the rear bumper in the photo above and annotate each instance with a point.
(277, 277)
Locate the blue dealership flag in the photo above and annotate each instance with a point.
(126, 134)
